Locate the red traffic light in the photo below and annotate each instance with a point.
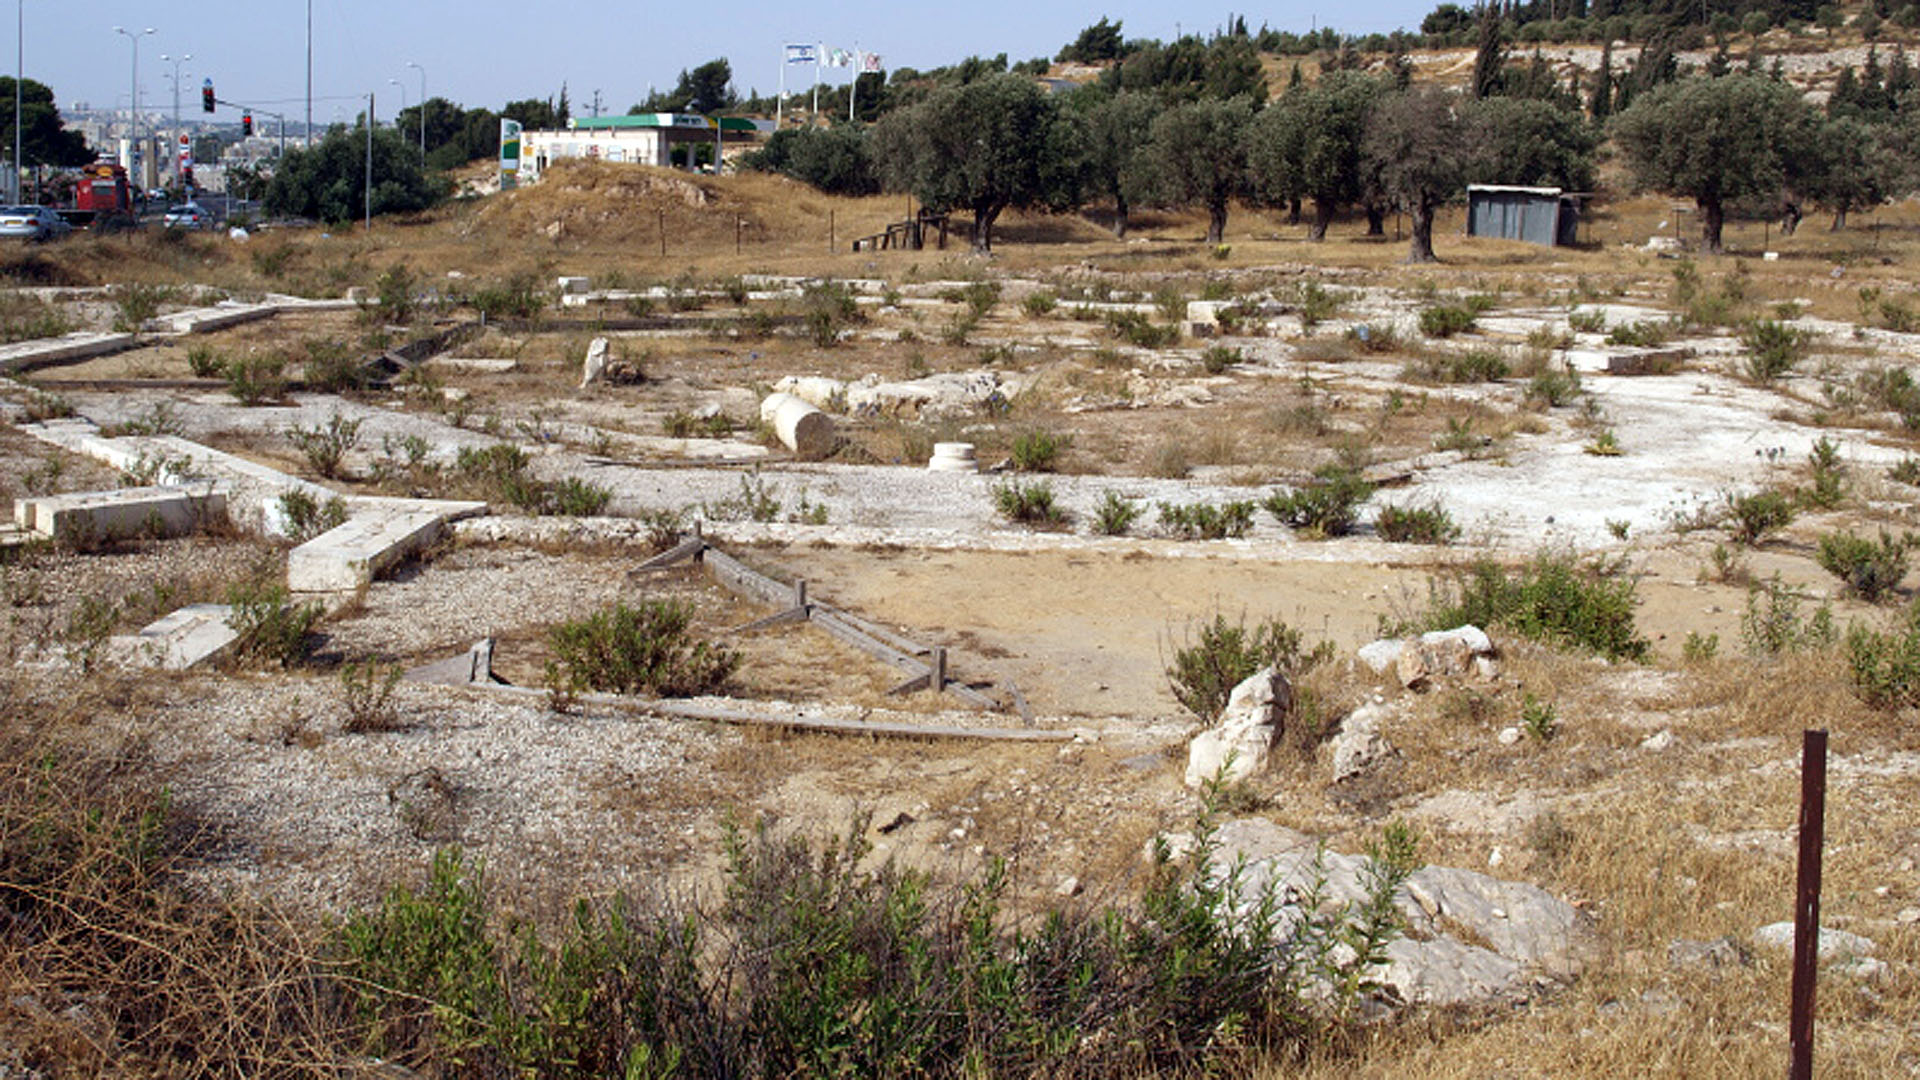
(206, 95)
(246, 125)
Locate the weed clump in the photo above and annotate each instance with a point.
(1221, 655)
(1446, 320)
(1205, 521)
(647, 649)
(1885, 665)
(1869, 570)
(1430, 524)
(1773, 348)
(272, 630)
(1039, 451)
(1329, 506)
(1115, 515)
(1772, 624)
(1752, 516)
(1028, 504)
(1553, 599)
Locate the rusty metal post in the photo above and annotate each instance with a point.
(938, 679)
(660, 220)
(1806, 903)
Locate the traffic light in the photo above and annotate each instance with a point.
(246, 125)
(206, 96)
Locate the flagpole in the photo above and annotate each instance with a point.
(814, 115)
(853, 88)
(781, 101)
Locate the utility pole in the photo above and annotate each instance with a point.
(369, 190)
(309, 74)
(423, 111)
(177, 129)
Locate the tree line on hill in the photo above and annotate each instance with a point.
(1196, 129)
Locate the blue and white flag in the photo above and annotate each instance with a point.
(839, 58)
(803, 54)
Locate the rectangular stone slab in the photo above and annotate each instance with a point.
(99, 515)
(193, 635)
(350, 556)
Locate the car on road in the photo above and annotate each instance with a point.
(188, 216)
(32, 223)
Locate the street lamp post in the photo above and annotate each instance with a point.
(133, 90)
(20, 76)
(423, 109)
(176, 61)
(403, 104)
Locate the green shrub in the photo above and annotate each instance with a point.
(1773, 348)
(1474, 366)
(331, 367)
(1885, 666)
(1751, 517)
(1587, 322)
(1220, 655)
(1829, 487)
(1329, 506)
(828, 309)
(980, 297)
(307, 517)
(1218, 358)
(1553, 598)
(681, 424)
(1905, 471)
(574, 497)
(1204, 521)
(1039, 451)
(1037, 304)
(1553, 387)
(1315, 303)
(1446, 320)
(366, 689)
(518, 296)
(135, 304)
(206, 362)
(1772, 623)
(256, 378)
(1115, 515)
(270, 629)
(1028, 504)
(1136, 328)
(1699, 648)
(1869, 570)
(1646, 334)
(1539, 719)
(647, 649)
(325, 446)
(1430, 524)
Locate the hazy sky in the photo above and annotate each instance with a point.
(487, 52)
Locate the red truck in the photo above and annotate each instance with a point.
(102, 200)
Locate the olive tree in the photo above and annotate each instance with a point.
(1715, 141)
(1197, 154)
(1117, 128)
(1306, 144)
(1530, 141)
(1415, 149)
(984, 146)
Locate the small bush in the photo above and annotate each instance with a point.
(828, 309)
(1699, 648)
(206, 362)
(272, 631)
(1221, 655)
(1646, 334)
(1218, 358)
(1539, 719)
(1038, 451)
(1905, 471)
(1869, 570)
(1315, 303)
(646, 650)
(256, 378)
(307, 517)
(1028, 504)
(681, 424)
(1829, 487)
(1605, 444)
(1587, 322)
(325, 446)
(1329, 506)
(1475, 366)
(1430, 524)
(1038, 304)
(1773, 348)
(1115, 515)
(1204, 521)
(1885, 665)
(1553, 599)
(135, 304)
(1446, 320)
(1553, 387)
(366, 689)
(758, 500)
(1772, 623)
(1136, 328)
(1751, 517)
(518, 297)
(331, 367)
(574, 497)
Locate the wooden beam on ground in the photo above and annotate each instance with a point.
(673, 556)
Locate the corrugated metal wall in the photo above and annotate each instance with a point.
(1515, 215)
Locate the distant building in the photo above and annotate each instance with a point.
(640, 139)
(1537, 215)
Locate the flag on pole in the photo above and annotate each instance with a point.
(839, 58)
(803, 54)
(871, 63)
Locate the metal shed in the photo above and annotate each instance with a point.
(1536, 215)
